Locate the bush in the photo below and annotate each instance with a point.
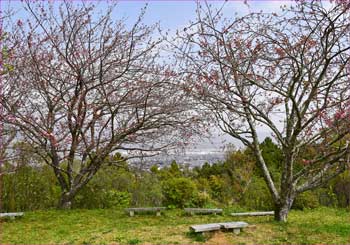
(29, 188)
(102, 189)
(308, 199)
(257, 196)
(203, 199)
(341, 188)
(327, 197)
(181, 192)
(114, 199)
(147, 191)
(218, 188)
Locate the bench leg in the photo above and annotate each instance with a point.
(158, 213)
(131, 213)
(236, 231)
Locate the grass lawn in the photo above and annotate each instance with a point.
(323, 225)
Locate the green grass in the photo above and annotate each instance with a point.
(323, 225)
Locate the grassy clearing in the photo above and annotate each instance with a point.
(322, 225)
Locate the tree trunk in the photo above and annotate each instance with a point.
(282, 209)
(66, 200)
(68, 194)
(281, 214)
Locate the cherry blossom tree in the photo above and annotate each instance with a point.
(286, 73)
(7, 133)
(86, 86)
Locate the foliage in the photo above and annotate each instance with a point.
(257, 196)
(341, 189)
(104, 189)
(273, 157)
(327, 197)
(217, 188)
(6, 50)
(113, 199)
(29, 189)
(181, 192)
(307, 199)
(147, 191)
(233, 182)
(239, 167)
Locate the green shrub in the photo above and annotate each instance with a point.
(218, 188)
(257, 196)
(203, 200)
(327, 197)
(101, 191)
(147, 191)
(181, 192)
(308, 199)
(29, 188)
(341, 189)
(114, 199)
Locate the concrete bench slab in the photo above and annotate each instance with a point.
(11, 215)
(203, 210)
(205, 227)
(232, 225)
(157, 210)
(254, 213)
(235, 226)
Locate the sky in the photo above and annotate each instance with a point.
(173, 15)
(170, 14)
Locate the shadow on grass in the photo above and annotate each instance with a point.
(134, 241)
(197, 237)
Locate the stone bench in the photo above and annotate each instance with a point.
(235, 226)
(254, 213)
(156, 210)
(193, 211)
(11, 215)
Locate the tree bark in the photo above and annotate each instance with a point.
(282, 208)
(66, 200)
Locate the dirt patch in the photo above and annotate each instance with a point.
(219, 238)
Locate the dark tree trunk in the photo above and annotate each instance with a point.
(282, 209)
(66, 200)
(68, 193)
(281, 213)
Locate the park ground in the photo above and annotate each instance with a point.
(114, 226)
